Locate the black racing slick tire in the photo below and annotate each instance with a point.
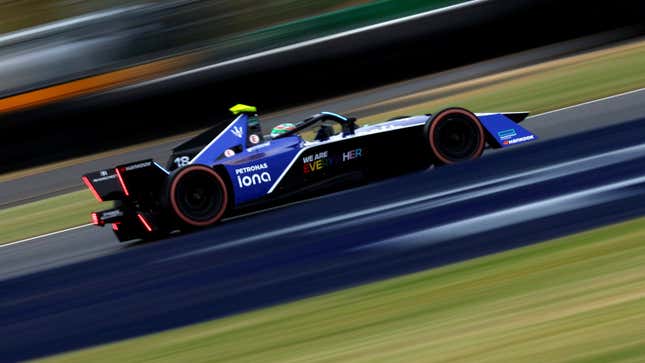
(455, 135)
(197, 195)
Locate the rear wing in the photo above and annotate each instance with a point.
(139, 179)
(103, 184)
(125, 181)
(137, 188)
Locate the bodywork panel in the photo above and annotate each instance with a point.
(259, 172)
(263, 169)
(504, 131)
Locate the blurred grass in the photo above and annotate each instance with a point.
(538, 88)
(576, 299)
(47, 215)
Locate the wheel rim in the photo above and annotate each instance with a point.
(456, 136)
(198, 196)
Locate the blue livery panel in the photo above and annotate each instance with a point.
(254, 173)
(505, 131)
(229, 169)
(234, 136)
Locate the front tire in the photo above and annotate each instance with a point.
(197, 196)
(455, 135)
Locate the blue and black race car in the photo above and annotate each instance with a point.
(235, 168)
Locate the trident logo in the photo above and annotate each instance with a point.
(237, 131)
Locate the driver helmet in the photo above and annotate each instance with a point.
(281, 129)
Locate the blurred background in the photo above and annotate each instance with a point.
(77, 38)
(80, 77)
(18, 15)
(90, 85)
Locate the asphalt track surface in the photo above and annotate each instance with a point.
(81, 288)
(66, 179)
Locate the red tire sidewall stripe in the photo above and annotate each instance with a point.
(173, 199)
(437, 120)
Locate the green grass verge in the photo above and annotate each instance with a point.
(539, 88)
(47, 215)
(544, 87)
(577, 299)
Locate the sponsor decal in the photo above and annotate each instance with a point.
(318, 156)
(228, 153)
(316, 162)
(322, 160)
(138, 166)
(250, 169)
(237, 131)
(316, 165)
(252, 175)
(352, 154)
(112, 214)
(254, 139)
(97, 180)
(518, 140)
(507, 134)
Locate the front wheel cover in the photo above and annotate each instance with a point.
(198, 195)
(467, 136)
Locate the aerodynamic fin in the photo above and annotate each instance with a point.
(502, 129)
(103, 184)
(139, 178)
(517, 117)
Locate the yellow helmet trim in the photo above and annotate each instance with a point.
(240, 108)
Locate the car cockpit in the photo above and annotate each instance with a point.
(322, 127)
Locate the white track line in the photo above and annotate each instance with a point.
(590, 102)
(45, 235)
(542, 114)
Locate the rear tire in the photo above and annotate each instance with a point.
(197, 196)
(455, 135)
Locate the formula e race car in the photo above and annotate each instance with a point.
(235, 168)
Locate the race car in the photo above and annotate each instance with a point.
(235, 168)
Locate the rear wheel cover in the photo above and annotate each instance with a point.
(198, 195)
(456, 135)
